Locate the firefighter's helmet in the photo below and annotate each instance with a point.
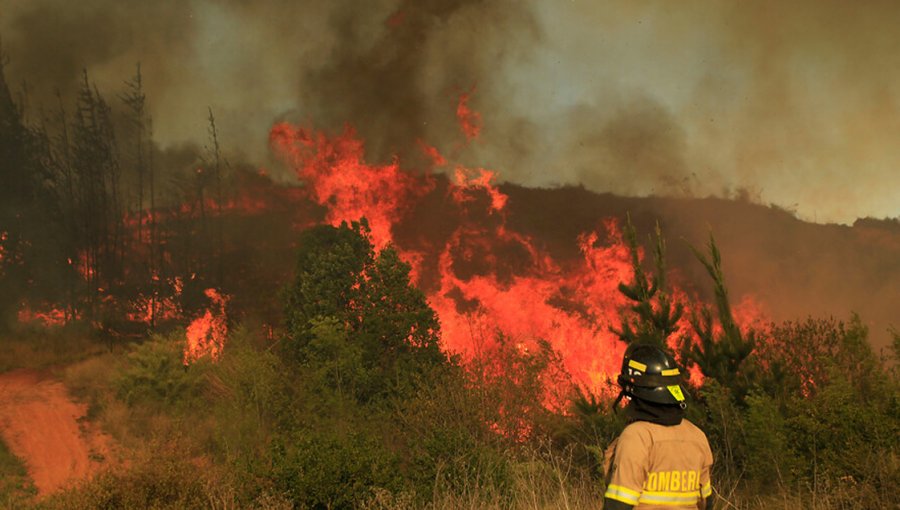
(650, 374)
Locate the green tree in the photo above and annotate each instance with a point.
(653, 316)
(343, 283)
(720, 352)
(329, 264)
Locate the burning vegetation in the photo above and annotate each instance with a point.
(206, 334)
(425, 343)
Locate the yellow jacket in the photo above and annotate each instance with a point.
(658, 467)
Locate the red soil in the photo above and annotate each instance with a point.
(41, 424)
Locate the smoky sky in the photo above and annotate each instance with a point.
(789, 103)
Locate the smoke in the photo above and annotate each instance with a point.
(791, 103)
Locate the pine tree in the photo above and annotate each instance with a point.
(721, 353)
(653, 316)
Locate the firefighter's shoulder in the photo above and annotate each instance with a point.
(697, 435)
(692, 429)
(637, 433)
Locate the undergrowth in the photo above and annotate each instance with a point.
(16, 488)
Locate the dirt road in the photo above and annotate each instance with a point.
(43, 426)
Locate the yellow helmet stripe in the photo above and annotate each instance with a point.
(637, 365)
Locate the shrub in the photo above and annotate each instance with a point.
(159, 484)
(798, 358)
(15, 486)
(327, 470)
(155, 375)
(249, 397)
(445, 436)
(768, 451)
(842, 433)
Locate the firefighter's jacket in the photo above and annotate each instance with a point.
(658, 467)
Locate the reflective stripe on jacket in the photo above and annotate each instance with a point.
(658, 467)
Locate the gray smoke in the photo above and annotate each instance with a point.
(791, 103)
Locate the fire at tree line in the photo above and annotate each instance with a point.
(378, 368)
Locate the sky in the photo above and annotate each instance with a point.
(794, 104)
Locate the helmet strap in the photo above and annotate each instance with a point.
(615, 404)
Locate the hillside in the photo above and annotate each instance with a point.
(794, 268)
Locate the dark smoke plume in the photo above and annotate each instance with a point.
(793, 103)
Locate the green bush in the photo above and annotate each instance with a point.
(249, 398)
(326, 470)
(155, 375)
(717, 414)
(344, 290)
(445, 436)
(588, 429)
(159, 484)
(15, 486)
(842, 433)
(768, 450)
(799, 357)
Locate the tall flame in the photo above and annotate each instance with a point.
(493, 283)
(206, 334)
(338, 176)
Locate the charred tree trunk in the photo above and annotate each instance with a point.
(217, 173)
(95, 164)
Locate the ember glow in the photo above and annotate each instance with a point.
(153, 309)
(3, 237)
(48, 317)
(206, 334)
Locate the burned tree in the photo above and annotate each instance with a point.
(98, 210)
(215, 165)
(28, 211)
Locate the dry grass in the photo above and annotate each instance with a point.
(541, 478)
(41, 349)
(547, 482)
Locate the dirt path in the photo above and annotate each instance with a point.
(43, 426)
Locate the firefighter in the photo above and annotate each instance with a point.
(661, 460)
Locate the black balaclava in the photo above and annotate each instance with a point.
(663, 414)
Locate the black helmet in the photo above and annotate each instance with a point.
(650, 374)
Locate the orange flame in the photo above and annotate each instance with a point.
(469, 120)
(492, 283)
(492, 280)
(206, 334)
(338, 176)
(437, 159)
(47, 317)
